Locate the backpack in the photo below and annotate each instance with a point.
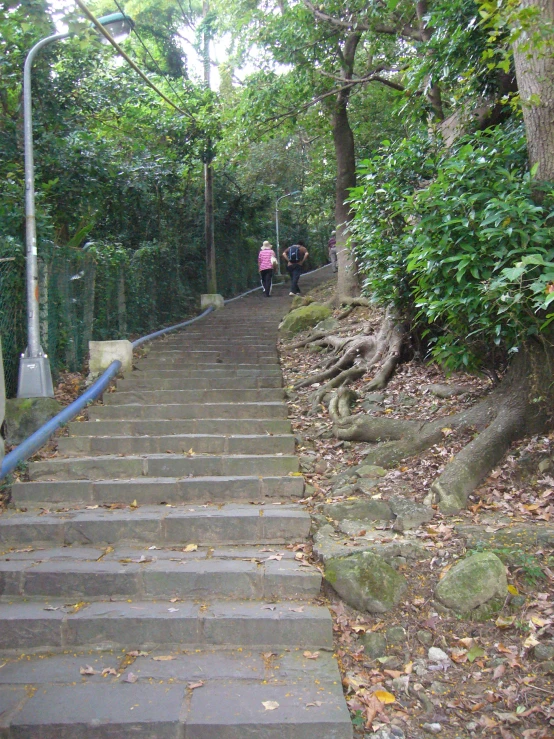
(294, 254)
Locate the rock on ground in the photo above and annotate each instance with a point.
(472, 582)
(304, 317)
(366, 582)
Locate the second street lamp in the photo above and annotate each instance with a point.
(286, 195)
(35, 377)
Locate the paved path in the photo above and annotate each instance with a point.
(151, 555)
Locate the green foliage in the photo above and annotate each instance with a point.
(469, 251)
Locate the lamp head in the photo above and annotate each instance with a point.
(118, 25)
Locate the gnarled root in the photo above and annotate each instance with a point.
(522, 404)
(360, 355)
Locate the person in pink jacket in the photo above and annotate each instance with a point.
(266, 263)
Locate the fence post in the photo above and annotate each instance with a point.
(2, 400)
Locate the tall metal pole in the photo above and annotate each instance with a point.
(209, 229)
(288, 194)
(35, 377)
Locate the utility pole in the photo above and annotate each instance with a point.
(211, 276)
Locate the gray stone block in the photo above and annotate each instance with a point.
(29, 625)
(135, 625)
(102, 711)
(234, 710)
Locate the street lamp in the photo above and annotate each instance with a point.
(35, 377)
(287, 195)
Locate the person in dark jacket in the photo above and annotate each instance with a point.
(295, 255)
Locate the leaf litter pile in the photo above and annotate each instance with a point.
(438, 673)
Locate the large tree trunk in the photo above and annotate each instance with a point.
(347, 283)
(535, 78)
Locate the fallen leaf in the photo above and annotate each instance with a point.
(163, 658)
(475, 652)
(190, 548)
(270, 705)
(504, 622)
(108, 671)
(311, 655)
(88, 670)
(315, 704)
(384, 696)
(193, 686)
(130, 678)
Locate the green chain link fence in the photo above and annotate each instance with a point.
(100, 292)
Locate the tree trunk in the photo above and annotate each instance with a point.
(343, 138)
(535, 77)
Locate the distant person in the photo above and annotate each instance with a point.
(295, 255)
(332, 246)
(267, 261)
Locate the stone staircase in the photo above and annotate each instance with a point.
(146, 585)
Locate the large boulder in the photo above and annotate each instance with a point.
(473, 581)
(25, 415)
(366, 582)
(304, 317)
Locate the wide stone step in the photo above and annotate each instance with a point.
(182, 397)
(246, 360)
(47, 696)
(165, 573)
(198, 383)
(210, 371)
(147, 624)
(230, 524)
(204, 490)
(199, 443)
(190, 410)
(216, 426)
(105, 467)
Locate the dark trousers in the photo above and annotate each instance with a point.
(294, 270)
(267, 278)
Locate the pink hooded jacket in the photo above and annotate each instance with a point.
(264, 258)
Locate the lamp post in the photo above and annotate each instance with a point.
(35, 377)
(287, 195)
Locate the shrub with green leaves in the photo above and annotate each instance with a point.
(470, 252)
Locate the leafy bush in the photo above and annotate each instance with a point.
(470, 252)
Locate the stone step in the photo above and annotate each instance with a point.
(216, 426)
(199, 443)
(238, 489)
(197, 383)
(182, 397)
(145, 624)
(189, 410)
(245, 368)
(47, 696)
(243, 359)
(213, 345)
(103, 467)
(210, 371)
(229, 524)
(164, 573)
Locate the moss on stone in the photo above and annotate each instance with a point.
(304, 317)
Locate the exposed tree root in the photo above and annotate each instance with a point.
(355, 356)
(522, 404)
